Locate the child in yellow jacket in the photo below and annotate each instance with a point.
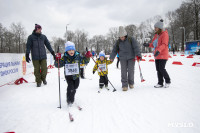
(102, 65)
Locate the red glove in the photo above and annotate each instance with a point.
(58, 56)
(88, 54)
(138, 58)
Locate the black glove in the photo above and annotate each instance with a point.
(146, 45)
(93, 72)
(157, 53)
(54, 56)
(27, 58)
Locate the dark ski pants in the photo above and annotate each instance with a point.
(82, 72)
(103, 80)
(71, 88)
(161, 71)
(117, 62)
(40, 64)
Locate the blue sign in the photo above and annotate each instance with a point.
(192, 47)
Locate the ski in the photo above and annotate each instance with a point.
(71, 117)
(70, 114)
(99, 91)
(79, 108)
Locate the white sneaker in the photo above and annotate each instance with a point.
(158, 86)
(167, 85)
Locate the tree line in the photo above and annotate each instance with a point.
(186, 17)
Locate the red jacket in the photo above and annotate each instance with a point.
(162, 45)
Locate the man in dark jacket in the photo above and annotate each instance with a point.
(36, 44)
(127, 48)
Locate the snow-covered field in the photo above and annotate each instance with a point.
(144, 109)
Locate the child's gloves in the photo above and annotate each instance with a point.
(58, 56)
(88, 54)
(138, 58)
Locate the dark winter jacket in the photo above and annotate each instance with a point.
(127, 49)
(67, 59)
(36, 44)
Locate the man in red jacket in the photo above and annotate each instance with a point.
(161, 53)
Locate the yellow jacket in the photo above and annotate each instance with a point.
(103, 65)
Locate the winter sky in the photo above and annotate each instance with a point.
(93, 16)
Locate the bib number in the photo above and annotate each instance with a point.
(71, 69)
(102, 67)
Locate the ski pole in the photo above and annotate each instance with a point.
(103, 74)
(142, 79)
(58, 56)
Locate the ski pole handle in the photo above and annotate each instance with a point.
(58, 56)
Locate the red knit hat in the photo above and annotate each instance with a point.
(37, 26)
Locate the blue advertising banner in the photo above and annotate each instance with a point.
(192, 47)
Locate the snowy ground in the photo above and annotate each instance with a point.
(144, 109)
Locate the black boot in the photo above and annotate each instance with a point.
(38, 84)
(45, 82)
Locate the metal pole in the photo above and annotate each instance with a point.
(66, 32)
(184, 39)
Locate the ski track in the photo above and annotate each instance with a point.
(28, 109)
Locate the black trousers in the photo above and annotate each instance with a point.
(82, 72)
(103, 80)
(161, 71)
(71, 88)
(117, 62)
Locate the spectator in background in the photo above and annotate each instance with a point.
(117, 60)
(36, 45)
(173, 50)
(93, 54)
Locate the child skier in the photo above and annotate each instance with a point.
(101, 65)
(71, 61)
(82, 68)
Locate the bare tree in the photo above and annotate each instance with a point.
(194, 14)
(131, 30)
(19, 34)
(9, 40)
(2, 29)
(171, 16)
(113, 34)
(70, 36)
(58, 42)
(98, 42)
